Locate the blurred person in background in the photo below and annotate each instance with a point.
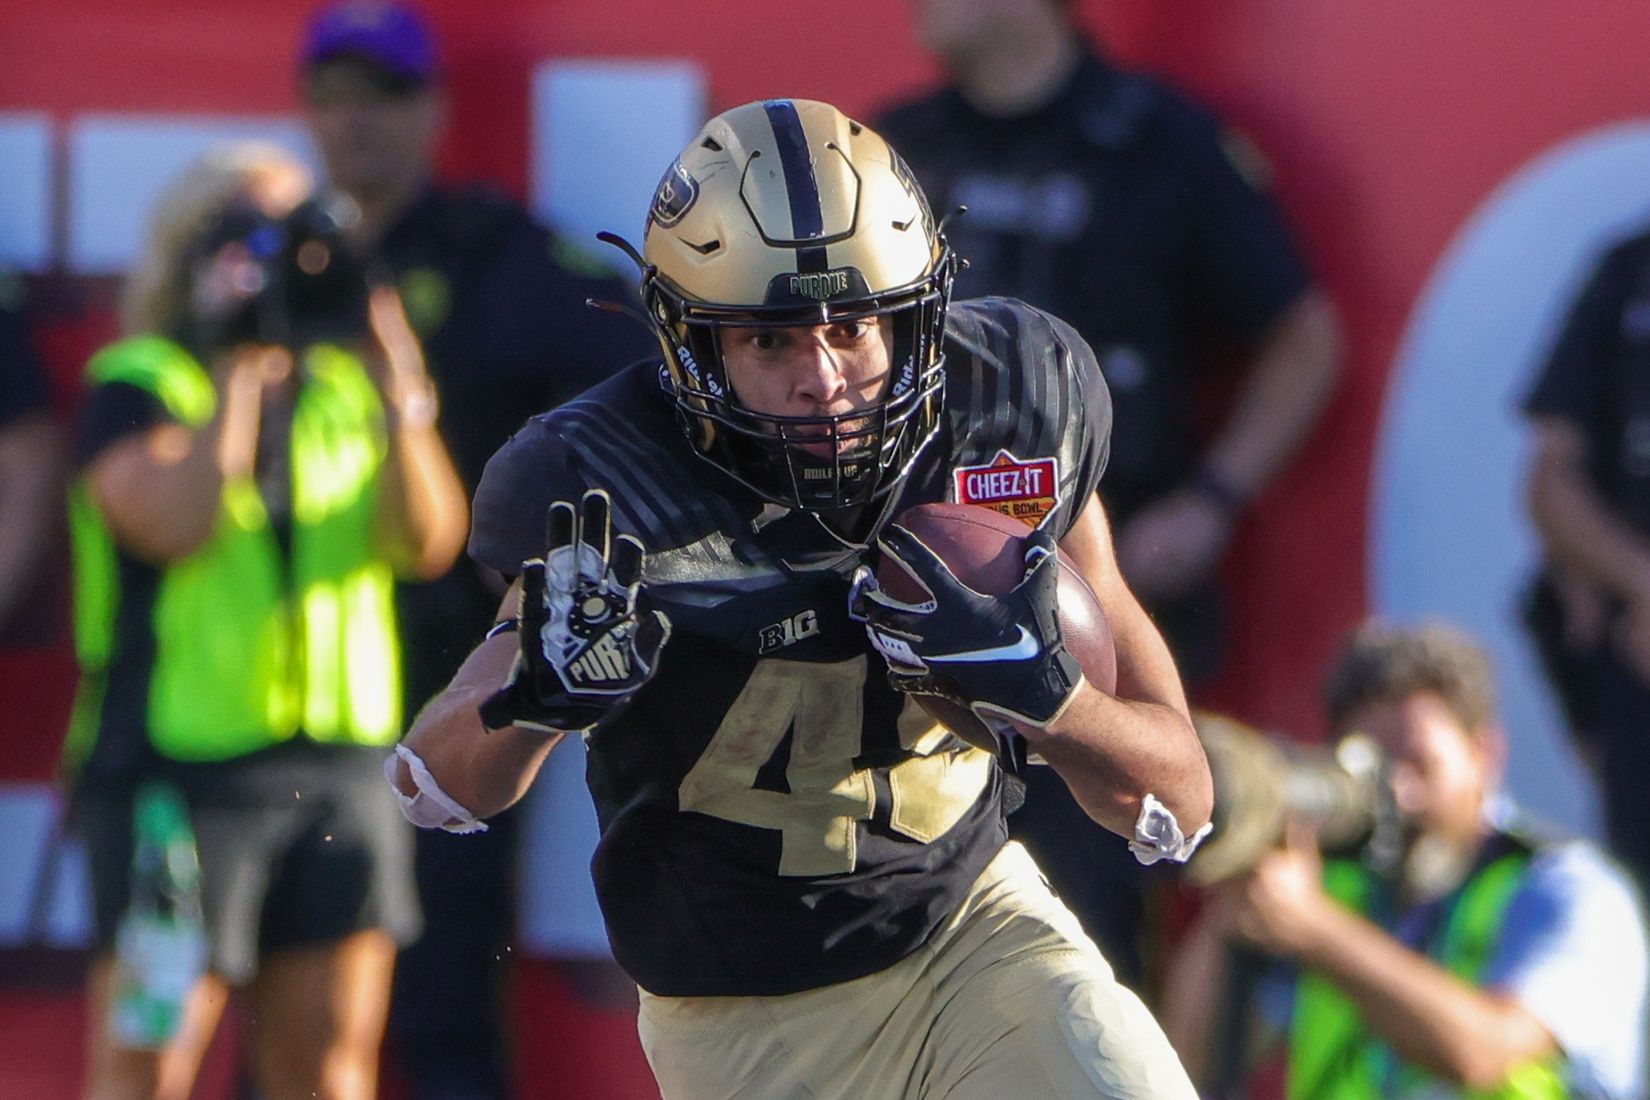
(499, 303)
(30, 462)
(1589, 495)
(1110, 200)
(1485, 956)
(239, 510)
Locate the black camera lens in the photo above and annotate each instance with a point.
(321, 288)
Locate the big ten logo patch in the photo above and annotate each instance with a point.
(1026, 490)
(804, 624)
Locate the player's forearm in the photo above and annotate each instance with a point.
(1113, 750)
(1430, 1017)
(1112, 753)
(483, 771)
(1291, 379)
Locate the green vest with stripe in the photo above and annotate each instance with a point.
(1331, 1054)
(255, 644)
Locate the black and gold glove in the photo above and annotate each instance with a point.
(588, 639)
(1002, 656)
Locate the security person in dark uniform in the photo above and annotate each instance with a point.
(1110, 200)
(499, 303)
(1589, 494)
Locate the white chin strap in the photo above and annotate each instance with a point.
(431, 807)
(1157, 835)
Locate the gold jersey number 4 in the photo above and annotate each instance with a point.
(823, 706)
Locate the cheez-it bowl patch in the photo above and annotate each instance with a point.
(1026, 490)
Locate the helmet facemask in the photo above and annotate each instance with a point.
(787, 213)
(864, 452)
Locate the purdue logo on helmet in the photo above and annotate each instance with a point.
(674, 196)
(787, 212)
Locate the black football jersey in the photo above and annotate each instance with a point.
(774, 817)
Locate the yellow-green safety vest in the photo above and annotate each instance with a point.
(1333, 1057)
(252, 644)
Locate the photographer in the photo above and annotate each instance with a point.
(256, 461)
(1488, 960)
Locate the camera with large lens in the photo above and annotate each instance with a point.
(1263, 782)
(290, 281)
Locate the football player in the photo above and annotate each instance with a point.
(808, 878)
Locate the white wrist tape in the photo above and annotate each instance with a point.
(1157, 835)
(431, 807)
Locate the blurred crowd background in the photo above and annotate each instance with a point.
(1450, 176)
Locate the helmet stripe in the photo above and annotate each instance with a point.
(801, 186)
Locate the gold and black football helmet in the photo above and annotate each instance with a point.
(787, 212)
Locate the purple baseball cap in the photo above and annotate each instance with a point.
(387, 34)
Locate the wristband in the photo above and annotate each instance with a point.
(1157, 835)
(431, 807)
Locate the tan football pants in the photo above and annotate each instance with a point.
(1009, 1000)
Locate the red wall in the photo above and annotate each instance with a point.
(1388, 121)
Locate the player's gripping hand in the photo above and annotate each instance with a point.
(1002, 656)
(588, 640)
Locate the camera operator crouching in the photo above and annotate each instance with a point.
(1480, 955)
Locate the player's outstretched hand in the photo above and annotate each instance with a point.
(1002, 655)
(588, 640)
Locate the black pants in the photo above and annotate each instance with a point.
(446, 1026)
(1619, 737)
(1607, 707)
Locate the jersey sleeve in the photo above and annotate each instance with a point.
(1245, 268)
(512, 503)
(1025, 393)
(1093, 399)
(1572, 953)
(1572, 384)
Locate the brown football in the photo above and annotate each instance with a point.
(986, 551)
